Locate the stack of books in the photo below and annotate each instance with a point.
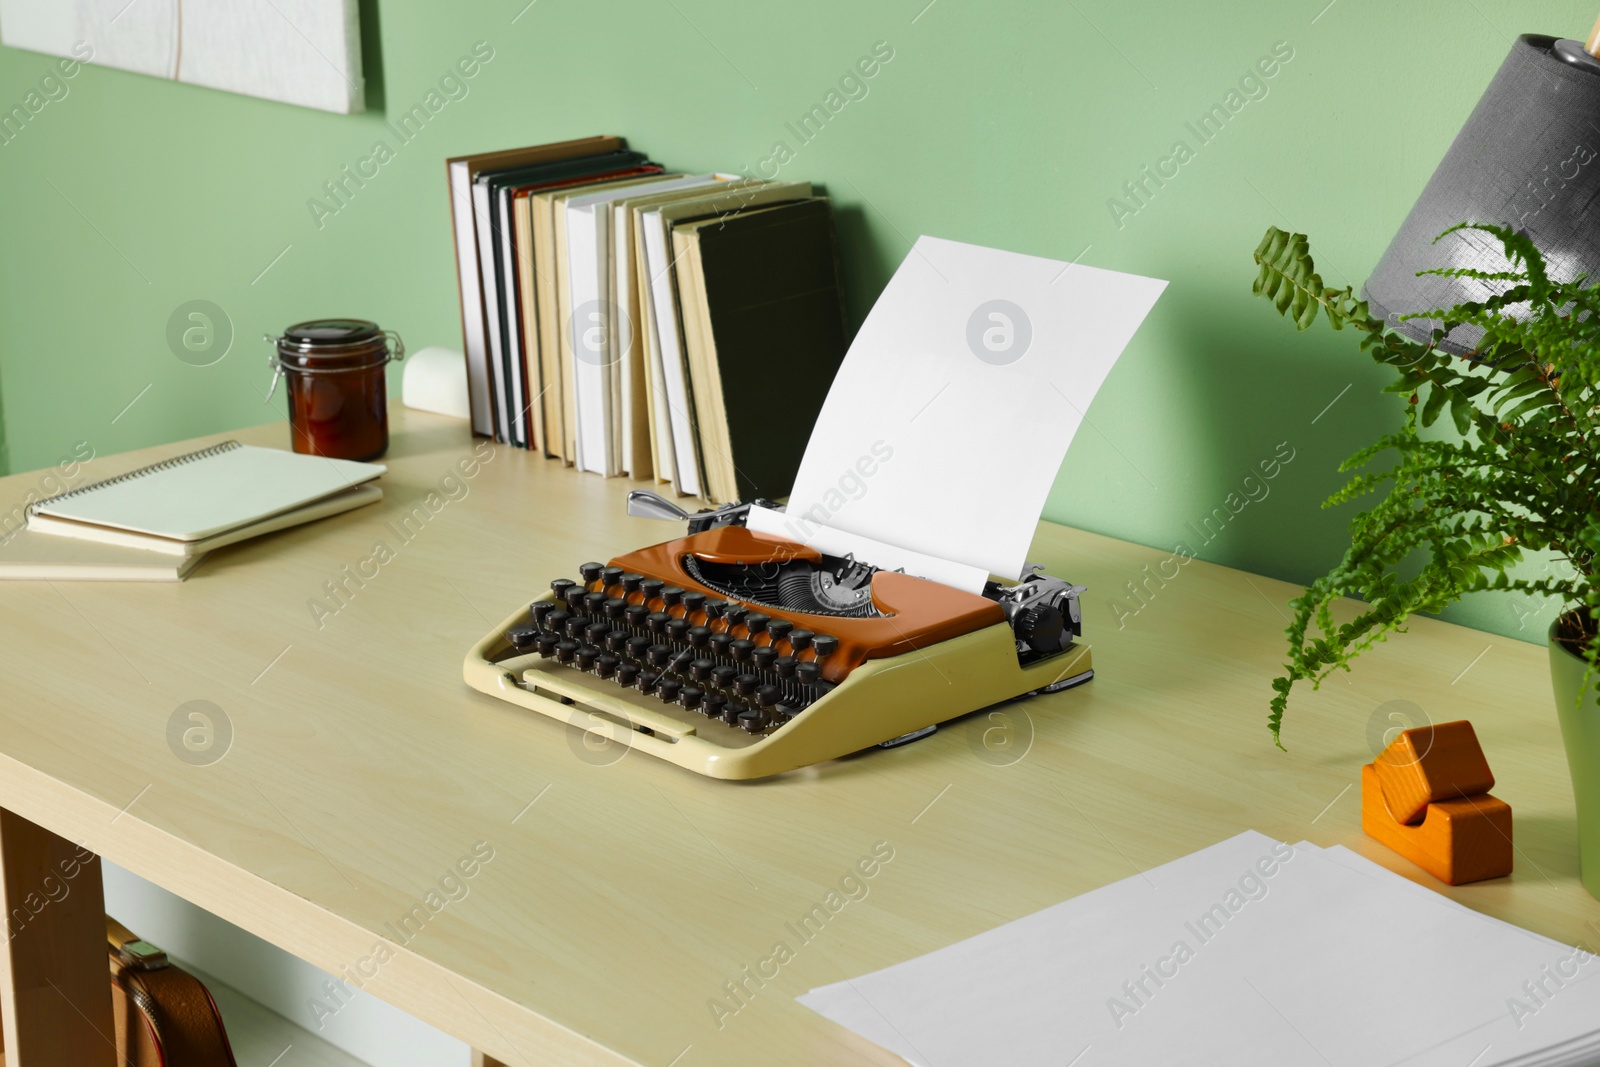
(156, 523)
(674, 328)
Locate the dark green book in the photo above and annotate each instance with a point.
(764, 334)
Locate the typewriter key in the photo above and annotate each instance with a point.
(670, 595)
(701, 669)
(699, 636)
(547, 645)
(539, 610)
(690, 697)
(611, 575)
(657, 621)
(718, 644)
(630, 582)
(721, 677)
(731, 711)
(712, 705)
(617, 641)
(614, 608)
(800, 640)
(752, 721)
(590, 571)
(745, 684)
(638, 647)
(651, 587)
(735, 613)
(741, 650)
(779, 629)
(565, 650)
(522, 636)
(667, 689)
(659, 655)
(594, 603)
(605, 664)
(556, 621)
(635, 614)
(824, 644)
(647, 682)
(767, 696)
(575, 625)
(693, 602)
(756, 622)
(585, 657)
(595, 632)
(714, 609)
(763, 657)
(784, 666)
(677, 631)
(573, 595)
(807, 673)
(560, 586)
(627, 674)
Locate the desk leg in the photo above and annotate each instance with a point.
(479, 1059)
(55, 989)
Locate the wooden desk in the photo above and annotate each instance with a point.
(621, 897)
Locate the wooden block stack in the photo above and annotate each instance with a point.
(1427, 797)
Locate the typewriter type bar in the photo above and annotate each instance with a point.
(738, 655)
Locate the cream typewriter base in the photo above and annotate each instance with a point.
(880, 701)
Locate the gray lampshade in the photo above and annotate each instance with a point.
(1529, 158)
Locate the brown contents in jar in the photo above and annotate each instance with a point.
(334, 372)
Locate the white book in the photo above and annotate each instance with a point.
(463, 223)
(590, 294)
(664, 463)
(193, 503)
(671, 373)
(629, 346)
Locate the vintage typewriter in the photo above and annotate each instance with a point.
(738, 654)
(859, 616)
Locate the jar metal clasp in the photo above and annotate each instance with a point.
(394, 353)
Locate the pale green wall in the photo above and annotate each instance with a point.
(1008, 124)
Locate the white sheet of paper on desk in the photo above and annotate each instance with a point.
(949, 418)
(1322, 960)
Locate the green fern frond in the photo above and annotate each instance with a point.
(1521, 475)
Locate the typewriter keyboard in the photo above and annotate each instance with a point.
(719, 658)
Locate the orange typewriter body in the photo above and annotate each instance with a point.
(916, 612)
(716, 651)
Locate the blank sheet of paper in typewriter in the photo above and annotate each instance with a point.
(949, 418)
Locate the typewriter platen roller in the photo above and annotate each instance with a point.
(740, 655)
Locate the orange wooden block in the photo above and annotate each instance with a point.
(1463, 840)
(1428, 764)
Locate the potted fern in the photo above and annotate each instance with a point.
(1520, 474)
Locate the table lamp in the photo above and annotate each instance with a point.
(1529, 158)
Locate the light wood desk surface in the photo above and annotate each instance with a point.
(622, 896)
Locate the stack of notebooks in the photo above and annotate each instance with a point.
(1249, 952)
(680, 329)
(156, 523)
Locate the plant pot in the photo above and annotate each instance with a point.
(1579, 712)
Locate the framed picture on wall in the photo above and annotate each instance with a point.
(305, 52)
